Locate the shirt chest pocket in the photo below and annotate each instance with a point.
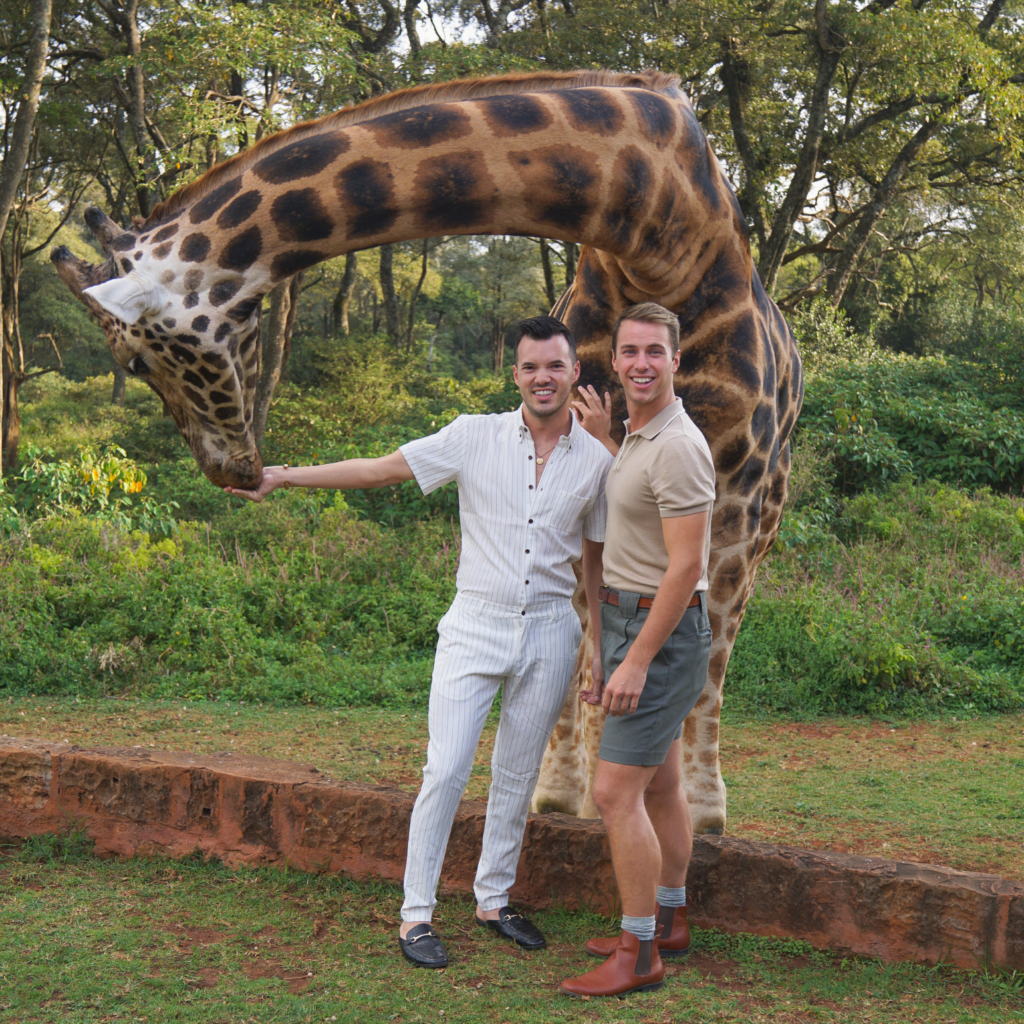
(566, 511)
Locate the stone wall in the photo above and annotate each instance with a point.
(250, 810)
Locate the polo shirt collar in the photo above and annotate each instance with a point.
(659, 423)
(565, 441)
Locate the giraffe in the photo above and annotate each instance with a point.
(615, 162)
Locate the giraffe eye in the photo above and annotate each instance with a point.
(137, 366)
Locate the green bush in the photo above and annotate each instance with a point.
(912, 600)
(278, 612)
(890, 589)
(935, 418)
(99, 484)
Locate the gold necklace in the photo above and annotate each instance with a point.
(541, 458)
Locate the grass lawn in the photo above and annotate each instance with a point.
(85, 940)
(942, 792)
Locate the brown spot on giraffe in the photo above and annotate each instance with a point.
(453, 191)
(366, 191)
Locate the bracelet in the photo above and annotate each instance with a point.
(286, 483)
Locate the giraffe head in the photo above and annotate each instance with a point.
(187, 329)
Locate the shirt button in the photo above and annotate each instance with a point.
(531, 487)
(527, 582)
(524, 611)
(530, 457)
(529, 520)
(527, 550)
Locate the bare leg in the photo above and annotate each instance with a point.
(636, 853)
(669, 813)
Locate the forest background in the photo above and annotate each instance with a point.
(876, 150)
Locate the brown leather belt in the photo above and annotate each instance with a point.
(609, 596)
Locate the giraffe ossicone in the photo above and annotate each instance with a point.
(615, 162)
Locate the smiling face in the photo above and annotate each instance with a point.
(545, 373)
(189, 332)
(644, 360)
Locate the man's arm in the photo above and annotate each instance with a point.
(593, 569)
(352, 473)
(684, 540)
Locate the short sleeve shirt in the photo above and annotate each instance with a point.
(663, 470)
(519, 537)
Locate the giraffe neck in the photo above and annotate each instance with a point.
(626, 171)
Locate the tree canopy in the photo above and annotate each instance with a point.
(876, 148)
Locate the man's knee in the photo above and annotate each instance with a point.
(617, 789)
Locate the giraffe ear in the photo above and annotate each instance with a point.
(128, 298)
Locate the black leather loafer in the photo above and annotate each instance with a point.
(422, 947)
(511, 925)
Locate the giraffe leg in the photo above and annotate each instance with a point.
(565, 771)
(563, 784)
(731, 576)
(702, 776)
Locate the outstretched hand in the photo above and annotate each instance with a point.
(273, 477)
(595, 415)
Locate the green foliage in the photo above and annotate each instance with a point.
(260, 607)
(99, 484)
(881, 597)
(911, 601)
(936, 418)
(825, 335)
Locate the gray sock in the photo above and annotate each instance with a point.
(641, 927)
(669, 897)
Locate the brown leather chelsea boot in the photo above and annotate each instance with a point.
(634, 966)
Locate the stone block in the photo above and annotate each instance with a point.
(252, 810)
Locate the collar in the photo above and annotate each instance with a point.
(652, 429)
(565, 441)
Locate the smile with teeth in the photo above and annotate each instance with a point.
(641, 380)
(544, 392)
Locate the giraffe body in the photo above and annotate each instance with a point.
(615, 162)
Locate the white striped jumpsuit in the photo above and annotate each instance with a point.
(511, 625)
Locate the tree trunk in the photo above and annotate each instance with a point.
(415, 297)
(10, 425)
(873, 212)
(24, 121)
(830, 48)
(549, 277)
(13, 372)
(572, 252)
(387, 288)
(10, 179)
(12, 353)
(117, 395)
(275, 344)
(498, 342)
(137, 109)
(342, 301)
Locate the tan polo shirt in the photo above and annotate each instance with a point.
(663, 470)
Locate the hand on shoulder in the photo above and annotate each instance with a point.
(595, 415)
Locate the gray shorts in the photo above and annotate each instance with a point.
(675, 681)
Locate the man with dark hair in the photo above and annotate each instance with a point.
(531, 502)
(655, 646)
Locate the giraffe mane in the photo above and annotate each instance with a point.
(463, 89)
